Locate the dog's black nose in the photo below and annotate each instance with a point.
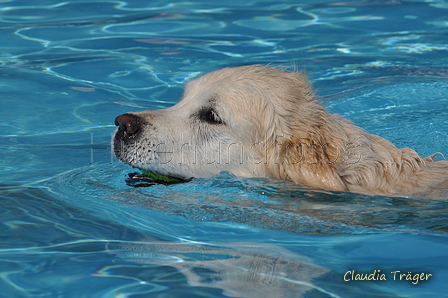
(128, 123)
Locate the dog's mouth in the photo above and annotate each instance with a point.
(147, 178)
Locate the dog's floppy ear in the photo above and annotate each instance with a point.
(308, 160)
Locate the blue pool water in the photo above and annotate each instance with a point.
(71, 227)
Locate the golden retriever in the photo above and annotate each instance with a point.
(261, 121)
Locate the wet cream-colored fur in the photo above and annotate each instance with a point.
(259, 121)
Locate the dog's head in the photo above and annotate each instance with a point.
(253, 121)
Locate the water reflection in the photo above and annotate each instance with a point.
(239, 269)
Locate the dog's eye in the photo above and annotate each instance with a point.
(210, 116)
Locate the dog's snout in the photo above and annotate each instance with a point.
(128, 123)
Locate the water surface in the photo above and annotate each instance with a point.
(71, 227)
